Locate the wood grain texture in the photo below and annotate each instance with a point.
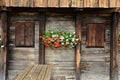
(42, 20)
(20, 34)
(53, 3)
(41, 3)
(95, 35)
(62, 58)
(77, 3)
(65, 3)
(103, 3)
(91, 3)
(114, 52)
(4, 26)
(78, 47)
(95, 62)
(20, 57)
(29, 33)
(114, 3)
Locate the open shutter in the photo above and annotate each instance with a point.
(95, 35)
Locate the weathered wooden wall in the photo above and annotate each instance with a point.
(95, 62)
(21, 57)
(63, 58)
(119, 48)
(63, 3)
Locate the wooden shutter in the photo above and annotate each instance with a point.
(29, 33)
(24, 34)
(19, 34)
(95, 35)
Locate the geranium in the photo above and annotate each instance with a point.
(59, 39)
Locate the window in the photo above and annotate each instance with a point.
(95, 35)
(24, 34)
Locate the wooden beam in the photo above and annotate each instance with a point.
(91, 3)
(53, 3)
(41, 3)
(103, 3)
(114, 53)
(115, 3)
(77, 3)
(65, 3)
(41, 46)
(78, 47)
(4, 52)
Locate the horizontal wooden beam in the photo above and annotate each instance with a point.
(62, 3)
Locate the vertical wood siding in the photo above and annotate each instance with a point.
(21, 57)
(63, 3)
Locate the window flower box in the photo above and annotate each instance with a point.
(59, 39)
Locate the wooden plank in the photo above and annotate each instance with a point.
(50, 3)
(23, 74)
(90, 3)
(65, 3)
(114, 3)
(113, 47)
(48, 72)
(41, 46)
(13, 3)
(5, 28)
(40, 3)
(7, 2)
(31, 3)
(2, 2)
(90, 40)
(103, 3)
(95, 35)
(60, 78)
(19, 34)
(95, 71)
(30, 73)
(37, 72)
(29, 34)
(78, 47)
(42, 73)
(22, 3)
(77, 3)
(100, 35)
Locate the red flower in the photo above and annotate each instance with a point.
(57, 44)
(50, 39)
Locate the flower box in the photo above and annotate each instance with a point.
(59, 39)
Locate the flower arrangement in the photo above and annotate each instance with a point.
(59, 39)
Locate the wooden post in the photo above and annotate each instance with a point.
(78, 47)
(4, 52)
(114, 53)
(41, 46)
